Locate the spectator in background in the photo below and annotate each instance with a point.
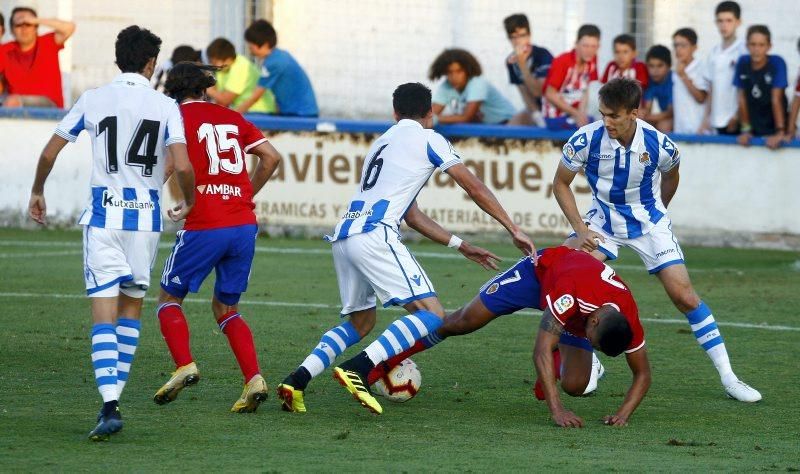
(720, 66)
(625, 63)
(689, 88)
(237, 79)
(464, 96)
(527, 68)
(658, 94)
(791, 129)
(179, 54)
(566, 87)
(32, 72)
(2, 57)
(761, 79)
(280, 73)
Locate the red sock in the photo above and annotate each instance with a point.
(241, 340)
(175, 332)
(537, 387)
(384, 367)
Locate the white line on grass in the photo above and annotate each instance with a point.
(290, 304)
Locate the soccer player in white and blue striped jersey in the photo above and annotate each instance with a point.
(131, 126)
(632, 169)
(371, 260)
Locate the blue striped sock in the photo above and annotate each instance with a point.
(401, 334)
(705, 330)
(104, 360)
(332, 344)
(127, 340)
(432, 339)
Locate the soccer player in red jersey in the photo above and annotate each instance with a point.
(586, 306)
(219, 233)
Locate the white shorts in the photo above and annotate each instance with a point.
(658, 248)
(377, 263)
(118, 260)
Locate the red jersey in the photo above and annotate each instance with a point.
(638, 71)
(218, 140)
(574, 284)
(35, 72)
(569, 80)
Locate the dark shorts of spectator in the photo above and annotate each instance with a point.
(564, 122)
(724, 131)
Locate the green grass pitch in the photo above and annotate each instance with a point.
(475, 411)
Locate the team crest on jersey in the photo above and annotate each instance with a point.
(644, 159)
(563, 304)
(492, 288)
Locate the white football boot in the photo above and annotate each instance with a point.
(742, 392)
(597, 373)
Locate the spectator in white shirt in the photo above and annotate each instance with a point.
(690, 89)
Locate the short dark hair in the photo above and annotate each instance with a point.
(517, 20)
(759, 29)
(17, 10)
(621, 92)
(411, 100)
(454, 55)
(261, 32)
(189, 79)
(659, 52)
(135, 47)
(614, 334)
(728, 6)
(184, 53)
(588, 30)
(626, 39)
(3, 21)
(687, 33)
(221, 48)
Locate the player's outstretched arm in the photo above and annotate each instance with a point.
(640, 367)
(268, 160)
(546, 341)
(185, 173)
(587, 239)
(37, 208)
(487, 201)
(419, 221)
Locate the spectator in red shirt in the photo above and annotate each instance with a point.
(567, 83)
(31, 71)
(625, 63)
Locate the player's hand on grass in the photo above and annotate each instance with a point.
(615, 420)
(179, 212)
(567, 419)
(479, 255)
(589, 240)
(37, 209)
(524, 243)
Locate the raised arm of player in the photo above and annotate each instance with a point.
(185, 174)
(546, 341)
(487, 201)
(419, 221)
(640, 367)
(37, 208)
(669, 185)
(587, 239)
(268, 160)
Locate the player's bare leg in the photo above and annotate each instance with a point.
(175, 331)
(331, 345)
(240, 338)
(576, 369)
(678, 286)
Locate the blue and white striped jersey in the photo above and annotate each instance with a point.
(626, 184)
(130, 126)
(398, 165)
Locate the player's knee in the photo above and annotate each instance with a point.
(574, 388)
(686, 299)
(431, 305)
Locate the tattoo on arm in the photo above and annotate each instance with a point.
(549, 324)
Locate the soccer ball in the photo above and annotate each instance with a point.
(401, 383)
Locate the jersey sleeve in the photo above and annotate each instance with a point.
(440, 95)
(576, 150)
(542, 64)
(173, 132)
(73, 123)
(250, 135)
(556, 74)
(641, 75)
(477, 90)
(737, 75)
(440, 152)
(781, 80)
(668, 154)
(271, 71)
(561, 300)
(513, 78)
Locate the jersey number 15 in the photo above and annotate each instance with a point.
(220, 138)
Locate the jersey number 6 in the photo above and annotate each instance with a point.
(218, 139)
(373, 170)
